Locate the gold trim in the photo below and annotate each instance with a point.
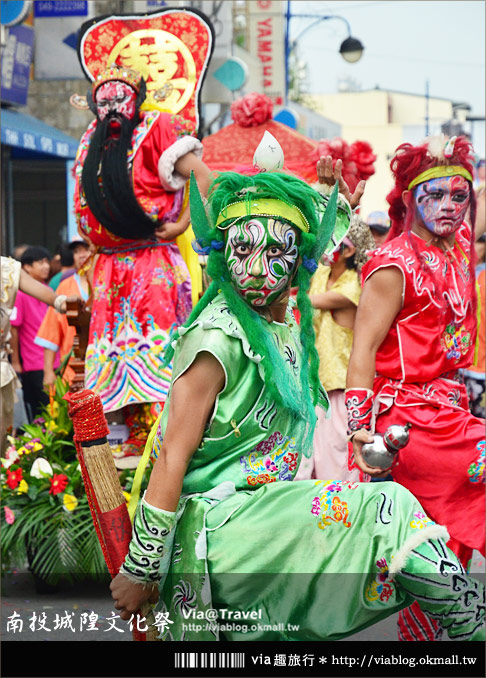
(264, 207)
(440, 171)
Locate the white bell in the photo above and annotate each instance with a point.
(269, 155)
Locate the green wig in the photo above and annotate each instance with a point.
(226, 189)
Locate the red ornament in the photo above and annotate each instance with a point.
(251, 110)
(358, 159)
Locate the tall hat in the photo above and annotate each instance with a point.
(115, 72)
(170, 49)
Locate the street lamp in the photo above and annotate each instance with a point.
(351, 48)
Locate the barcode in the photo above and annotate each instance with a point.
(209, 660)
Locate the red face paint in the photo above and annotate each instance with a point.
(116, 97)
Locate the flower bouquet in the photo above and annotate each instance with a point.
(46, 519)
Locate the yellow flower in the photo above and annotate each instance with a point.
(127, 496)
(70, 502)
(53, 409)
(30, 447)
(51, 426)
(23, 487)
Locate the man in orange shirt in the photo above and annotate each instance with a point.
(55, 334)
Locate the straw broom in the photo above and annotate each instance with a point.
(105, 497)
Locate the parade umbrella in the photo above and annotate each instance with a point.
(100, 477)
(232, 147)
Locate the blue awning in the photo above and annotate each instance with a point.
(26, 132)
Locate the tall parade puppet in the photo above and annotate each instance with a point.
(131, 199)
(416, 326)
(221, 525)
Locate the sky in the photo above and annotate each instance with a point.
(407, 43)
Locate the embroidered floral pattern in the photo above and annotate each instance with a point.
(261, 479)
(455, 341)
(421, 520)
(454, 397)
(380, 589)
(328, 506)
(272, 459)
(476, 470)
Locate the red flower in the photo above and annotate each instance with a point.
(358, 159)
(58, 483)
(14, 478)
(252, 110)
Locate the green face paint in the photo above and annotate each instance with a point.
(261, 254)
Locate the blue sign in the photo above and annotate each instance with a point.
(58, 8)
(287, 117)
(16, 61)
(13, 12)
(232, 73)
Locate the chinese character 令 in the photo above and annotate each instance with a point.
(162, 621)
(41, 620)
(15, 623)
(64, 621)
(88, 620)
(113, 625)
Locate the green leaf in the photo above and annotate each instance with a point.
(33, 491)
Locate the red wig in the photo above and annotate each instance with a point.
(410, 161)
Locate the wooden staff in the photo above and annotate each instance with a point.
(105, 497)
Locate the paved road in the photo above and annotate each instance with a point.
(67, 613)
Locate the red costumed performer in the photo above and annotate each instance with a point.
(416, 327)
(130, 199)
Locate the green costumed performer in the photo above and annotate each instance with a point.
(221, 526)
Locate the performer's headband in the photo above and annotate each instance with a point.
(115, 72)
(265, 207)
(440, 171)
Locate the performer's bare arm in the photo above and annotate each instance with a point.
(329, 301)
(380, 303)
(14, 345)
(183, 166)
(480, 226)
(191, 404)
(36, 289)
(49, 374)
(192, 400)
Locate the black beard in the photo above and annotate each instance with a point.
(113, 203)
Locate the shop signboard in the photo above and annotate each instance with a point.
(266, 43)
(16, 62)
(58, 8)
